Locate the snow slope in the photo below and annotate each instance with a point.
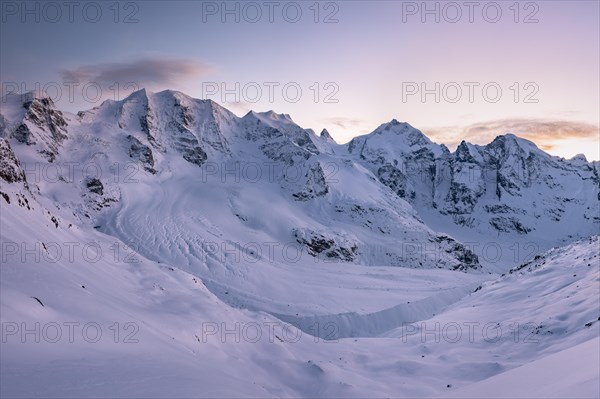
(545, 378)
(176, 342)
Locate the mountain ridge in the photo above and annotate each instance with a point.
(271, 114)
(500, 192)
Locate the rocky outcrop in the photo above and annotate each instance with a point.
(141, 153)
(42, 126)
(327, 246)
(10, 167)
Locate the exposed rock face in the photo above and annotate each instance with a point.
(280, 140)
(326, 136)
(289, 151)
(335, 248)
(42, 125)
(465, 257)
(400, 156)
(475, 185)
(509, 224)
(393, 178)
(10, 167)
(171, 120)
(141, 153)
(314, 184)
(97, 196)
(95, 186)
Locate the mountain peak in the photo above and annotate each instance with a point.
(579, 158)
(326, 136)
(24, 100)
(394, 122)
(510, 141)
(271, 118)
(36, 95)
(510, 137)
(274, 115)
(167, 98)
(462, 147)
(402, 131)
(396, 127)
(464, 152)
(136, 96)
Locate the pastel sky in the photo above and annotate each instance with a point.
(479, 70)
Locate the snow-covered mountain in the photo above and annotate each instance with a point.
(172, 213)
(384, 185)
(506, 198)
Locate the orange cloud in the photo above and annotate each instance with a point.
(547, 134)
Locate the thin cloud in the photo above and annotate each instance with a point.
(344, 123)
(143, 72)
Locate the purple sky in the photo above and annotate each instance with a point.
(455, 70)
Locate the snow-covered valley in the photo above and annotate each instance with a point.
(161, 246)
